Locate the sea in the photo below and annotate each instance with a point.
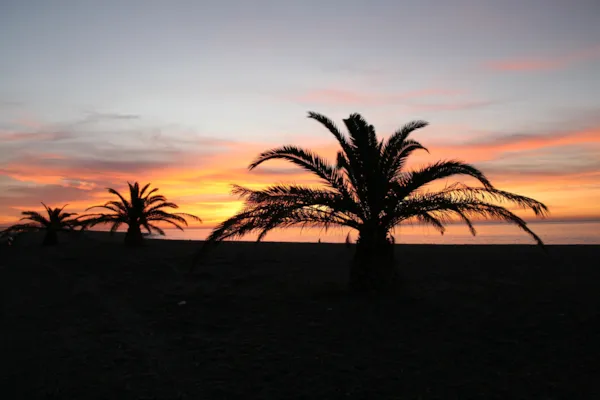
(550, 232)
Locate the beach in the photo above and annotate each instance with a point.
(92, 319)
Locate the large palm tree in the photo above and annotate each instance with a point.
(56, 221)
(369, 190)
(143, 209)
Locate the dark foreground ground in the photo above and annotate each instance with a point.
(94, 320)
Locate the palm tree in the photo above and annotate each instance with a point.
(55, 222)
(143, 209)
(369, 190)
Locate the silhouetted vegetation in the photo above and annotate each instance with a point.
(56, 221)
(369, 190)
(143, 209)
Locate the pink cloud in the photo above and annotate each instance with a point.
(200, 179)
(32, 136)
(545, 63)
(518, 143)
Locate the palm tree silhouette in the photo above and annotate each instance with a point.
(368, 190)
(143, 209)
(55, 222)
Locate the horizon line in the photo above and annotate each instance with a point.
(558, 220)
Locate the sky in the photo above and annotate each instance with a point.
(184, 94)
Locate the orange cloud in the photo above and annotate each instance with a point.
(201, 183)
(490, 148)
(547, 63)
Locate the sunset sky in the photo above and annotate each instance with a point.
(185, 94)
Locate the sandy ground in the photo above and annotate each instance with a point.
(91, 319)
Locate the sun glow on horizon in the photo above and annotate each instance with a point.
(203, 186)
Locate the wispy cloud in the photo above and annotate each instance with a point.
(96, 116)
(581, 159)
(33, 136)
(450, 106)
(31, 131)
(24, 197)
(10, 103)
(423, 100)
(348, 97)
(197, 171)
(518, 142)
(547, 63)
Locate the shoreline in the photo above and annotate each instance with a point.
(30, 238)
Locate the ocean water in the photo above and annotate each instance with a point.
(487, 233)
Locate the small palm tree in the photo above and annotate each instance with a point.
(55, 222)
(143, 209)
(369, 190)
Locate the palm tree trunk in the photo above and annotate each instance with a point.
(134, 237)
(373, 267)
(51, 238)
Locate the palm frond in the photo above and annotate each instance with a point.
(397, 139)
(162, 216)
(429, 219)
(364, 148)
(158, 229)
(126, 203)
(264, 219)
(467, 193)
(365, 165)
(134, 191)
(393, 159)
(143, 190)
(97, 219)
(110, 206)
(18, 228)
(362, 135)
(115, 226)
(64, 216)
(160, 206)
(298, 196)
(330, 125)
(117, 207)
(35, 217)
(158, 199)
(59, 210)
(187, 215)
(48, 209)
(146, 225)
(149, 194)
(442, 169)
(173, 223)
(440, 206)
(304, 159)
(282, 206)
